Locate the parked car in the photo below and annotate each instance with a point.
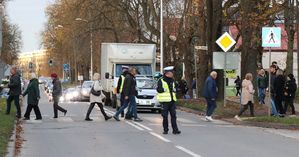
(71, 94)
(85, 90)
(146, 98)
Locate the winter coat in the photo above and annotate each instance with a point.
(247, 92)
(169, 82)
(279, 84)
(98, 99)
(33, 92)
(210, 88)
(238, 83)
(57, 89)
(262, 81)
(14, 85)
(129, 88)
(290, 89)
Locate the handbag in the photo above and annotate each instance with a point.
(94, 92)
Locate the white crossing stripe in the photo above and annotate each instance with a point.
(160, 137)
(143, 126)
(65, 119)
(135, 126)
(187, 151)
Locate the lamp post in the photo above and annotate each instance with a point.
(91, 42)
(161, 37)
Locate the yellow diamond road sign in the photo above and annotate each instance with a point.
(225, 42)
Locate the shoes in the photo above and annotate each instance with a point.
(209, 119)
(55, 117)
(107, 118)
(177, 132)
(238, 118)
(165, 132)
(122, 115)
(116, 118)
(137, 120)
(65, 113)
(88, 119)
(26, 118)
(128, 118)
(38, 118)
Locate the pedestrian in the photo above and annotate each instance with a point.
(279, 84)
(272, 73)
(33, 98)
(246, 96)
(210, 94)
(130, 93)
(56, 94)
(96, 97)
(238, 85)
(262, 85)
(167, 97)
(14, 93)
(183, 86)
(194, 88)
(289, 93)
(120, 85)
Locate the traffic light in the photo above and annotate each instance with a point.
(50, 62)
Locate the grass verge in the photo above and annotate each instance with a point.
(6, 127)
(276, 120)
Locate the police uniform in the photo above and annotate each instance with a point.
(120, 86)
(167, 97)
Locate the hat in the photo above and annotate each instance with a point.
(54, 75)
(168, 69)
(125, 67)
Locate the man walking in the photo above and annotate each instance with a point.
(167, 97)
(129, 91)
(14, 93)
(57, 92)
(120, 86)
(210, 93)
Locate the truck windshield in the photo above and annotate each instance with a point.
(143, 69)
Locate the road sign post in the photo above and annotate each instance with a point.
(271, 37)
(225, 42)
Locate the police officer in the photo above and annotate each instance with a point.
(120, 86)
(167, 97)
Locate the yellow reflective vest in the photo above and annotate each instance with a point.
(122, 83)
(166, 96)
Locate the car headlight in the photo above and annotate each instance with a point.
(75, 94)
(61, 99)
(84, 92)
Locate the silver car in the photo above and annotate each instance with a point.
(147, 94)
(85, 90)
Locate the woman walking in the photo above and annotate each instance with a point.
(33, 98)
(246, 96)
(96, 97)
(56, 93)
(290, 91)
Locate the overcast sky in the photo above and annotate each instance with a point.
(30, 16)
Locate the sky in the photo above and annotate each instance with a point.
(29, 15)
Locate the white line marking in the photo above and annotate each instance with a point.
(65, 119)
(135, 126)
(143, 126)
(187, 151)
(193, 125)
(160, 137)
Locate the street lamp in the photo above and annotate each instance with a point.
(91, 49)
(161, 36)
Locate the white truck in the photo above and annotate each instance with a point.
(115, 55)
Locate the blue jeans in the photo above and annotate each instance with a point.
(132, 102)
(211, 106)
(261, 94)
(274, 111)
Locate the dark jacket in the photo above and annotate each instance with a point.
(169, 82)
(120, 81)
(14, 85)
(33, 92)
(57, 89)
(262, 81)
(210, 88)
(272, 77)
(129, 88)
(183, 86)
(238, 83)
(290, 88)
(279, 84)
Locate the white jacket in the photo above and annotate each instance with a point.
(97, 86)
(247, 92)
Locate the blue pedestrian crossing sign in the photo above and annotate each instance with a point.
(66, 67)
(271, 37)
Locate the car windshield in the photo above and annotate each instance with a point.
(87, 84)
(145, 83)
(143, 69)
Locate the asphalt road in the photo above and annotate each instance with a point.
(71, 136)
